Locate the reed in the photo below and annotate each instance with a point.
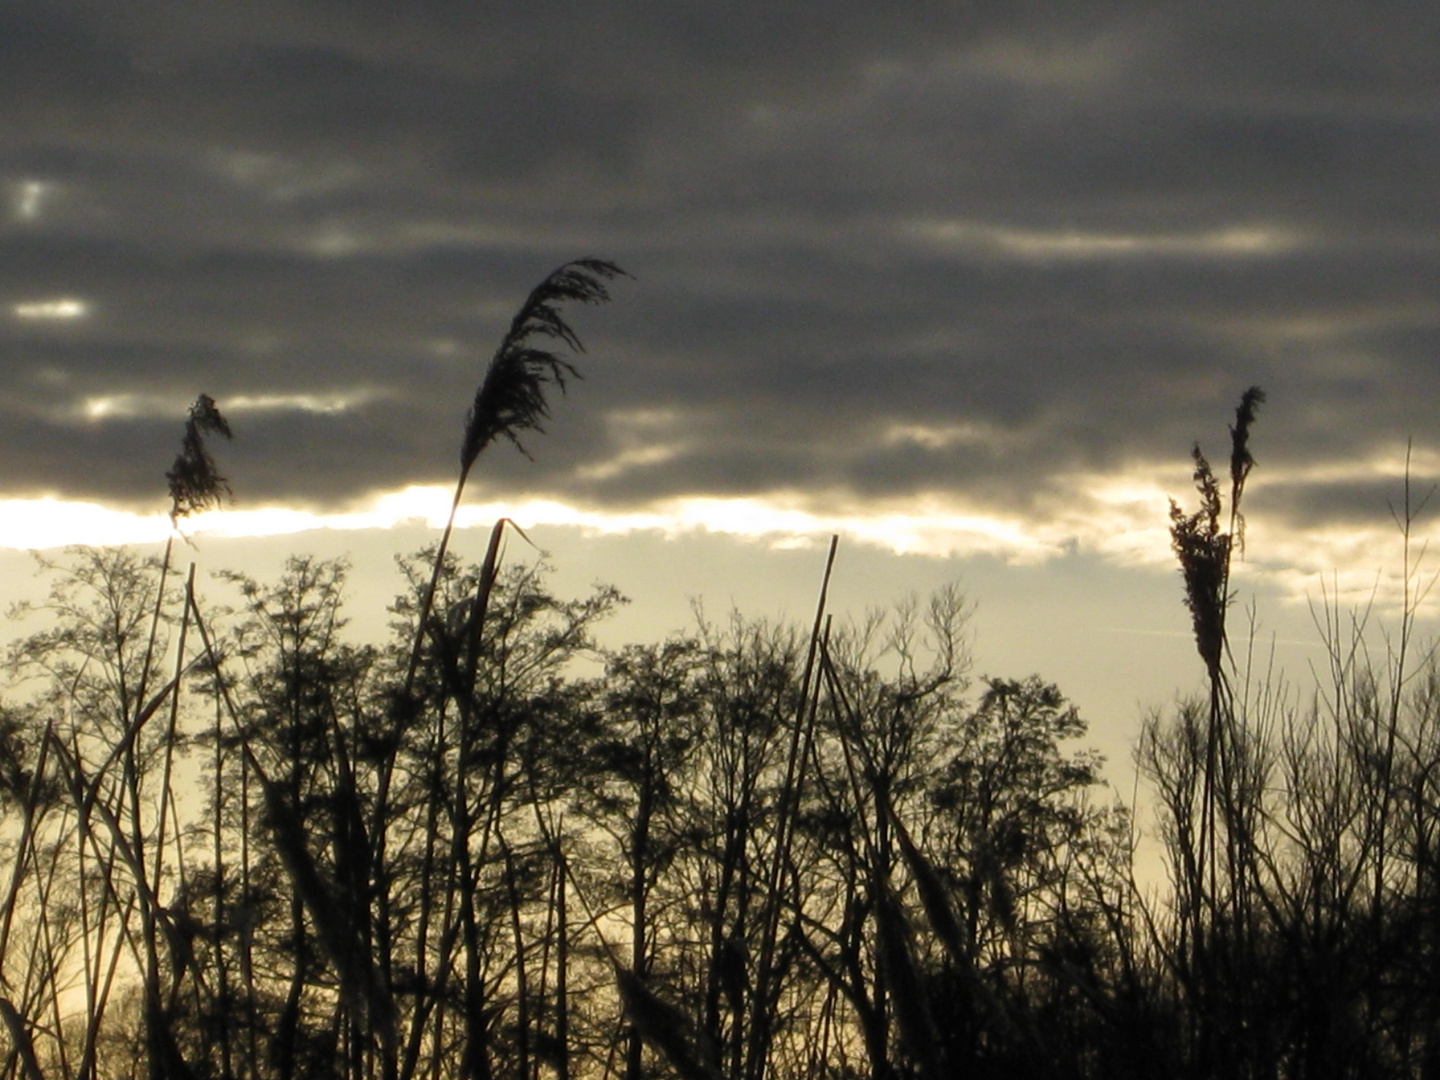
(1204, 550)
(195, 485)
(512, 397)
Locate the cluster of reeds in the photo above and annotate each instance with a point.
(1298, 940)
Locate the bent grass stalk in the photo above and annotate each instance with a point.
(666, 1028)
(20, 1039)
(510, 400)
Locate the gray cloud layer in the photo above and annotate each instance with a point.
(1070, 239)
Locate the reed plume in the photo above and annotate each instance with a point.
(1204, 554)
(1203, 549)
(511, 398)
(195, 482)
(1240, 460)
(195, 485)
(896, 954)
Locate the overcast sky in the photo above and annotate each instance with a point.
(950, 278)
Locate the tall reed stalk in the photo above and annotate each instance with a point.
(765, 995)
(1215, 909)
(195, 485)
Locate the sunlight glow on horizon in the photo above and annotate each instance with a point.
(28, 199)
(1119, 518)
(942, 436)
(927, 526)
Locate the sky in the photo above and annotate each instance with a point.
(962, 283)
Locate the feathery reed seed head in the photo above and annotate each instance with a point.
(195, 482)
(1240, 460)
(1204, 554)
(907, 985)
(1203, 549)
(511, 399)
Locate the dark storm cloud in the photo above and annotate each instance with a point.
(878, 252)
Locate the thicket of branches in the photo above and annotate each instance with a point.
(276, 865)
(239, 845)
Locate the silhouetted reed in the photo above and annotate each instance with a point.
(511, 398)
(195, 481)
